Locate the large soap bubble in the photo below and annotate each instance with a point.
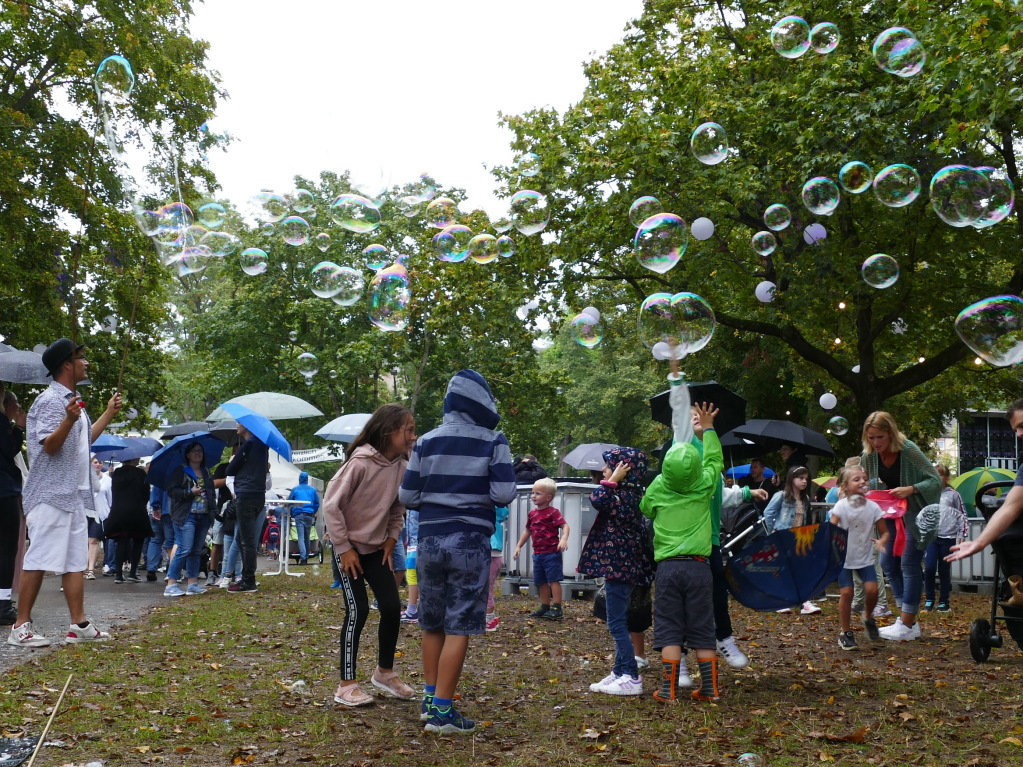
(897, 51)
(389, 298)
(351, 284)
(220, 243)
(452, 244)
(529, 211)
(880, 271)
(294, 230)
(303, 201)
(642, 208)
(409, 206)
(855, 177)
(505, 246)
(114, 80)
(586, 330)
(821, 196)
(660, 242)
(441, 212)
(482, 248)
(824, 37)
(323, 279)
(777, 217)
(656, 322)
(709, 143)
(253, 261)
(838, 426)
(790, 37)
(959, 194)
(269, 207)
(1002, 196)
(528, 164)
(376, 256)
(355, 213)
(683, 319)
(764, 243)
(897, 185)
(993, 329)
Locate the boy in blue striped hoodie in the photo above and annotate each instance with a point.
(457, 475)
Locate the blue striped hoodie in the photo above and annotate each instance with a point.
(462, 470)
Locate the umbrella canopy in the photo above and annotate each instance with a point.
(188, 427)
(731, 405)
(269, 404)
(344, 428)
(772, 434)
(744, 471)
(826, 482)
(739, 448)
(139, 447)
(260, 427)
(106, 445)
(588, 456)
(786, 567)
(23, 367)
(172, 455)
(225, 430)
(968, 483)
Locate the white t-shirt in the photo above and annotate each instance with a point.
(860, 520)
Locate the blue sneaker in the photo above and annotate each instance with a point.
(448, 722)
(336, 585)
(173, 591)
(424, 708)
(195, 588)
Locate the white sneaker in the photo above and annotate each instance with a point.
(733, 656)
(784, 611)
(623, 685)
(88, 634)
(642, 663)
(24, 636)
(224, 582)
(809, 608)
(684, 680)
(900, 632)
(597, 686)
(882, 611)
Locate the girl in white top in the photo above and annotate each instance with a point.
(861, 518)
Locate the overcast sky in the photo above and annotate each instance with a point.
(392, 88)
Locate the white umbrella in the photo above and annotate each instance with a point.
(269, 404)
(23, 367)
(344, 428)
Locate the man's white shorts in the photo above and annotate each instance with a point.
(59, 539)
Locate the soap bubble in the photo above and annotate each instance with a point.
(1002, 197)
(172, 221)
(749, 759)
(409, 206)
(880, 271)
(765, 291)
(764, 243)
(220, 243)
(267, 230)
(959, 194)
(293, 335)
(529, 211)
(114, 80)
(855, 177)
(777, 217)
(993, 329)
(898, 52)
(896, 185)
(148, 221)
(528, 164)
(374, 187)
(592, 311)
(502, 225)
(423, 189)
(814, 233)
(307, 364)
(660, 242)
(355, 213)
(482, 248)
(211, 215)
(656, 322)
(586, 331)
(702, 228)
(441, 212)
(322, 241)
(643, 208)
(828, 400)
(838, 426)
(824, 37)
(696, 321)
(350, 284)
(323, 280)
(376, 256)
(254, 261)
(505, 246)
(270, 207)
(452, 244)
(303, 201)
(333, 374)
(193, 259)
(389, 298)
(709, 143)
(790, 37)
(821, 196)
(294, 230)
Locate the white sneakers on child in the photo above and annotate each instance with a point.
(733, 656)
(623, 685)
(684, 680)
(900, 632)
(809, 608)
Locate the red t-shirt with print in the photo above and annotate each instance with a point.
(544, 527)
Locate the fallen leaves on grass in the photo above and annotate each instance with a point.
(857, 736)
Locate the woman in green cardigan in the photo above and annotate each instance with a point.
(895, 463)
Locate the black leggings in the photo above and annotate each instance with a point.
(10, 526)
(380, 578)
(129, 549)
(722, 620)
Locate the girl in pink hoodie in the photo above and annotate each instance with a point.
(364, 519)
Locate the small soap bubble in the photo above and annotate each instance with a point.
(269, 207)
(294, 230)
(502, 225)
(409, 206)
(898, 52)
(821, 196)
(267, 230)
(322, 241)
(993, 329)
(643, 208)
(303, 201)
(880, 271)
(452, 243)
(376, 256)
(350, 284)
(114, 80)
(529, 211)
(750, 759)
(389, 298)
(293, 335)
(855, 177)
(482, 248)
(777, 217)
(790, 37)
(825, 37)
(211, 215)
(323, 279)
(765, 291)
(896, 185)
(999, 204)
(441, 213)
(505, 246)
(308, 381)
(333, 374)
(702, 228)
(587, 331)
(959, 195)
(528, 164)
(423, 189)
(254, 261)
(307, 364)
(838, 426)
(220, 243)
(764, 243)
(355, 213)
(661, 242)
(709, 143)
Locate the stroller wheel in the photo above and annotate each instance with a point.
(980, 639)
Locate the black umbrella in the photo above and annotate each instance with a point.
(189, 427)
(737, 449)
(772, 434)
(731, 405)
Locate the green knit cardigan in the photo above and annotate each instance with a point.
(916, 470)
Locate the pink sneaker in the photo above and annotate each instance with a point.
(492, 625)
(392, 685)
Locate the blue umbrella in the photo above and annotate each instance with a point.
(260, 427)
(744, 471)
(106, 445)
(172, 455)
(786, 567)
(139, 447)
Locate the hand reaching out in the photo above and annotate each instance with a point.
(706, 413)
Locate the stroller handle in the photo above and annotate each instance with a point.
(986, 511)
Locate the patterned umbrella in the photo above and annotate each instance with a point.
(967, 484)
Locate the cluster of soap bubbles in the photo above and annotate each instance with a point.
(586, 329)
(837, 425)
(792, 36)
(684, 323)
(965, 196)
(993, 329)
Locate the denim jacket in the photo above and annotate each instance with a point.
(779, 513)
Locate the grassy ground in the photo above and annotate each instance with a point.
(205, 681)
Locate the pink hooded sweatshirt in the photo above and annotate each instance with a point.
(361, 508)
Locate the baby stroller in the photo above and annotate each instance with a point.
(740, 525)
(1008, 551)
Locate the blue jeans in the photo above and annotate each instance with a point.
(892, 565)
(302, 522)
(191, 539)
(232, 552)
(912, 574)
(619, 596)
(934, 563)
(154, 552)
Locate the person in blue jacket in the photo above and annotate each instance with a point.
(304, 516)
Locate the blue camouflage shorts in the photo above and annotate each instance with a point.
(454, 575)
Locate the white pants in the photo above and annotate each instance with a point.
(59, 539)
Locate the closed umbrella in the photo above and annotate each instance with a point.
(260, 427)
(344, 428)
(23, 367)
(772, 434)
(588, 456)
(172, 455)
(269, 404)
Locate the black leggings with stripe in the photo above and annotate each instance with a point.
(380, 578)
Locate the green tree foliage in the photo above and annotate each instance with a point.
(682, 64)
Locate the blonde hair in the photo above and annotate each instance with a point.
(844, 474)
(547, 485)
(879, 419)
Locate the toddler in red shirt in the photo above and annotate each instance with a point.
(542, 525)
